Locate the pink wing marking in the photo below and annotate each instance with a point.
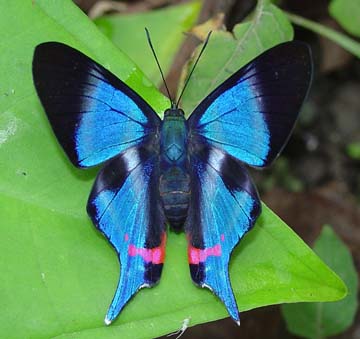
(197, 255)
(154, 255)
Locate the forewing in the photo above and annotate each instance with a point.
(224, 206)
(252, 114)
(124, 205)
(94, 115)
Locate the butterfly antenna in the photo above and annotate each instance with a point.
(193, 68)
(172, 103)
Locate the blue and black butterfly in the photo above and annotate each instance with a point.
(187, 172)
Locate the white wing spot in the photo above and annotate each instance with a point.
(132, 158)
(216, 158)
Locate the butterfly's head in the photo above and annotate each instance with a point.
(174, 112)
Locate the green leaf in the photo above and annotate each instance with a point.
(58, 273)
(347, 13)
(227, 52)
(320, 320)
(342, 40)
(166, 27)
(353, 150)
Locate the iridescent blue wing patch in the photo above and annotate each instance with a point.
(94, 115)
(251, 115)
(124, 205)
(224, 205)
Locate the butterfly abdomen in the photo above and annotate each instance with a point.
(175, 193)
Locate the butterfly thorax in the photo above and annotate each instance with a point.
(174, 179)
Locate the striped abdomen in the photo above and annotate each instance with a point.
(175, 194)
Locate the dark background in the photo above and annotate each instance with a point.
(315, 182)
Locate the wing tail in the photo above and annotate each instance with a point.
(129, 183)
(229, 205)
(217, 281)
(136, 273)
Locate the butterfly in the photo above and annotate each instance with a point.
(187, 172)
